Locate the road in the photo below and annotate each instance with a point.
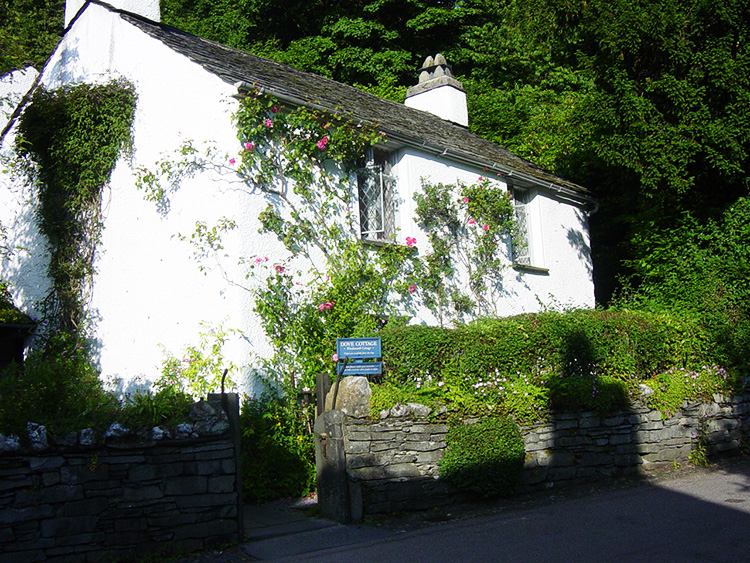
(701, 516)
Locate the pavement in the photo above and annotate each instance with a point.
(285, 530)
(676, 514)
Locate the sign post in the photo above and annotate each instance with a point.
(354, 352)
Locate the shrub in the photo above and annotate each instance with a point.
(673, 387)
(622, 344)
(167, 406)
(57, 387)
(526, 365)
(699, 271)
(278, 451)
(485, 458)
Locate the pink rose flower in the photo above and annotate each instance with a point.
(471, 221)
(232, 161)
(466, 200)
(486, 227)
(412, 288)
(411, 241)
(322, 306)
(269, 123)
(249, 145)
(274, 109)
(322, 143)
(279, 268)
(335, 357)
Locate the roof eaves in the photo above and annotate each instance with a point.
(410, 126)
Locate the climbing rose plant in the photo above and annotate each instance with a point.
(330, 283)
(468, 235)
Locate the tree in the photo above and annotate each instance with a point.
(377, 45)
(29, 31)
(669, 112)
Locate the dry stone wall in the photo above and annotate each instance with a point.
(117, 501)
(392, 464)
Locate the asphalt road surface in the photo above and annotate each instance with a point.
(701, 516)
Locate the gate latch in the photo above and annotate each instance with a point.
(323, 442)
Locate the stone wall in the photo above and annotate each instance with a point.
(123, 500)
(392, 464)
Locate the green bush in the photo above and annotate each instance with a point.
(168, 406)
(526, 365)
(622, 344)
(699, 271)
(672, 388)
(485, 458)
(57, 387)
(278, 451)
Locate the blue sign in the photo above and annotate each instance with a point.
(361, 368)
(358, 348)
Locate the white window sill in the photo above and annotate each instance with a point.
(531, 269)
(377, 242)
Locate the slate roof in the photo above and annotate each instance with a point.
(410, 126)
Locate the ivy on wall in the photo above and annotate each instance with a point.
(69, 141)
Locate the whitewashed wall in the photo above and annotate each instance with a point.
(13, 87)
(561, 230)
(24, 268)
(149, 291)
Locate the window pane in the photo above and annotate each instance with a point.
(522, 242)
(370, 208)
(376, 201)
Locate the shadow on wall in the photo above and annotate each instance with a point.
(593, 432)
(26, 271)
(577, 241)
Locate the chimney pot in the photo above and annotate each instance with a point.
(438, 92)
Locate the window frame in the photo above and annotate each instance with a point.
(529, 255)
(380, 207)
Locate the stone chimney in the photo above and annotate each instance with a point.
(149, 9)
(438, 92)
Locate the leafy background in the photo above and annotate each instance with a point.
(645, 103)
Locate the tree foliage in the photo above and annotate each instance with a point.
(647, 103)
(29, 30)
(374, 44)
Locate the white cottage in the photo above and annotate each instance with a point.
(149, 295)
